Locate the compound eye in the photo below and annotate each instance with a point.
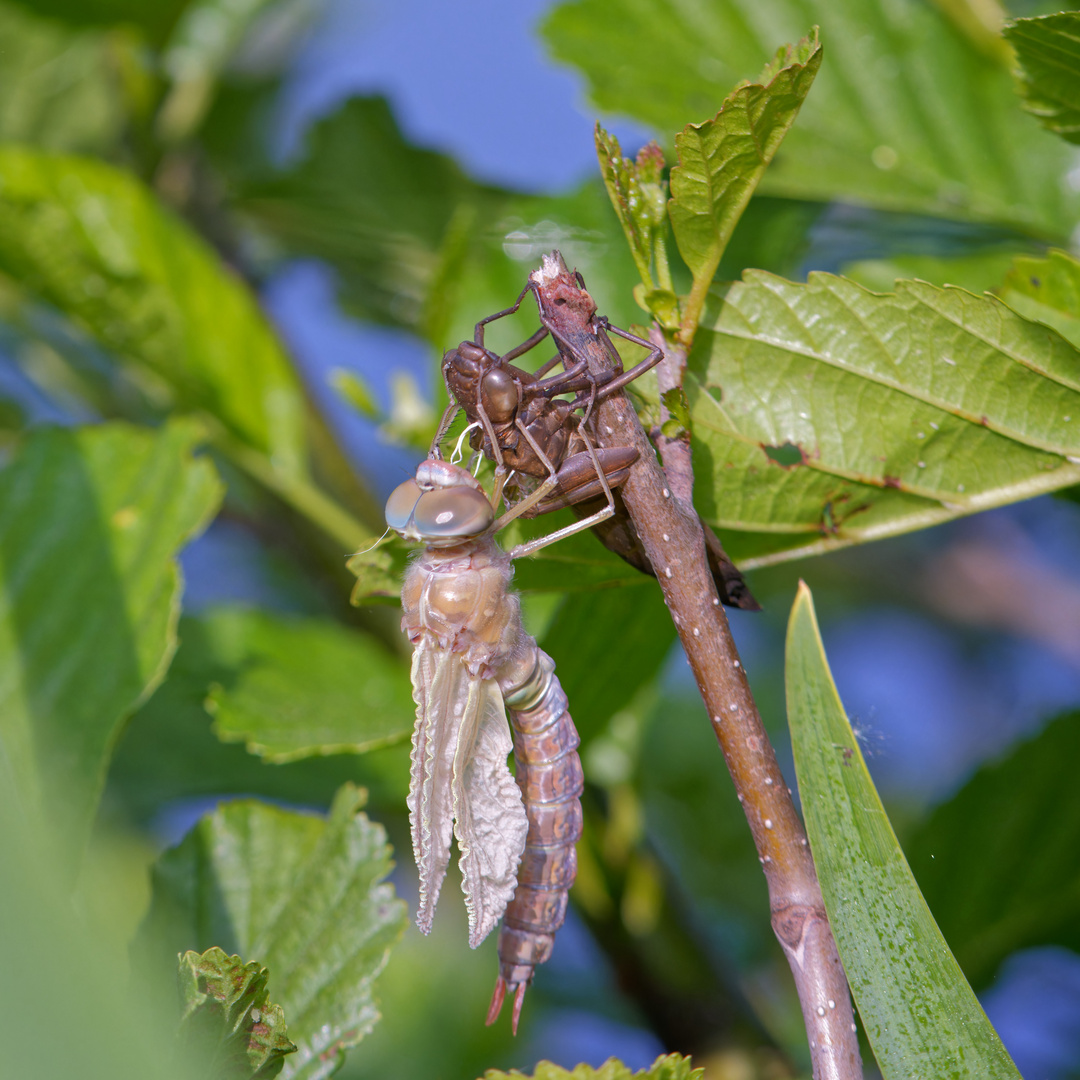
(401, 504)
(452, 514)
(499, 396)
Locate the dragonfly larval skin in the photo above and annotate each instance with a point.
(473, 657)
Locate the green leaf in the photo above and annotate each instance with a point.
(378, 574)
(229, 1024)
(93, 242)
(301, 687)
(599, 677)
(204, 40)
(920, 1014)
(846, 416)
(56, 87)
(906, 113)
(1048, 55)
(66, 1009)
(303, 895)
(722, 160)
(636, 192)
(1047, 290)
(169, 752)
(90, 524)
(1026, 810)
(155, 19)
(666, 1067)
(376, 207)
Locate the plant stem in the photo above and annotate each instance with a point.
(673, 539)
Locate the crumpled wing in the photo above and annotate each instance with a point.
(490, 820)
(440, 684)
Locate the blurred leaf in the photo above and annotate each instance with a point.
(1024, 809)
(416, 243)
(906, 113)
(208, 35)
(370, 203)
(683, 782)
(301, 687)
(722, 160)
(65, 1007)
(667, 1067)
(607, 645)
(981, 272)
(229, 1024)
(355, 390)
(1047, 290)
(1048, 54)
(169, 753)
(847, 416)
(155, 18)
(303, 895)
(56, 88)
(920, 1014)
(90, 524)
(93, 242)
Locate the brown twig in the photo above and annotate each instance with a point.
(674, 541)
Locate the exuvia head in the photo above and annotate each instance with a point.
(444, 506)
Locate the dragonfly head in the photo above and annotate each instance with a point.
(444, 506)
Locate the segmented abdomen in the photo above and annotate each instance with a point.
(551, 781)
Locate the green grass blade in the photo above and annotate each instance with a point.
(920, 1014)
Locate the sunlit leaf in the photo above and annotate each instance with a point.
(90, 524)
(1048, 54)
(302, 687)
(920, 1014)
(722, 160)
(668, 1067)
(94, 243)
(1026, 810)
(229, 1025)
(845, 415)
(302, 895)
(906, 113)
(1048, 291)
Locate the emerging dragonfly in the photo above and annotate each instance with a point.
(521, 424)
(472, 658)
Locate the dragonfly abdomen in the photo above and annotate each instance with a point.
(551, 781)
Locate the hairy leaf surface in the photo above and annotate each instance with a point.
(845, 415)
(722, 160)
(305, 897)
(229, 1025)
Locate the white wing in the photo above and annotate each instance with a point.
(490, 821)
(439, 683)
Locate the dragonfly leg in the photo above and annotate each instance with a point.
(579, 526)
(478, 334)
(448, 415)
